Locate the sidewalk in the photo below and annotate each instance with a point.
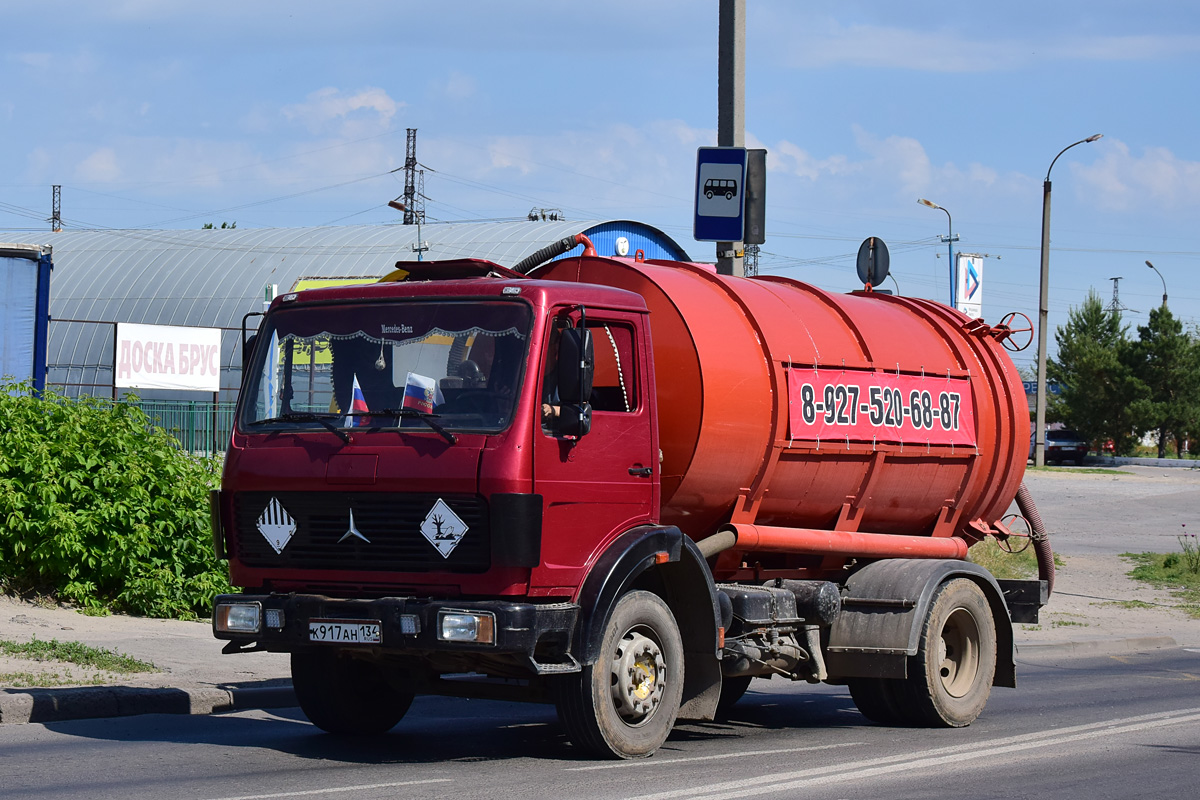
(196, 678)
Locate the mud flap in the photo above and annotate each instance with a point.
(884, 605)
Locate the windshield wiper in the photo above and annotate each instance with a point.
(410, 413)
(307, 416)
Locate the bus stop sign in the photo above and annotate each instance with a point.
(720, 194)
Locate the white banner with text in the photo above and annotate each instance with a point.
(168, 357)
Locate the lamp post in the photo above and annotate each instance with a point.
(420, 247)
(1039, 432)
(949, 240)
(1161, 278)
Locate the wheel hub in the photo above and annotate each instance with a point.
(638, 677)
(958, 653)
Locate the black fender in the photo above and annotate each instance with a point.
(682, 578)
(884, 606)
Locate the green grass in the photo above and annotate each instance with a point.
(43, 680)
(75, 653)
(1168, 571)
(1125, 604)
(1078, 470)
(1002, 564)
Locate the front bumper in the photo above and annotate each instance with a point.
(538, 634)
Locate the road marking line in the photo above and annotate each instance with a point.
(935, 757)
(336, 789)
(654, 762)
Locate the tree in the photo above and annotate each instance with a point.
(1165, 359)
(1099, 391)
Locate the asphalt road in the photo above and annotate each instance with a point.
(1123, 726)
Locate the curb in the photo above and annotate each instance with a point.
(58, 705)
(1096, 647)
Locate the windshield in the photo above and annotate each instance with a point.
(421, 365)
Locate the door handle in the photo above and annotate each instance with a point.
(643, 472)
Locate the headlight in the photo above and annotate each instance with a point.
(467, 626)
(237, 618)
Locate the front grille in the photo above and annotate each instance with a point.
(390, 520)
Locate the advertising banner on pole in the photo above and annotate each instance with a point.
(969, 297)
(168, 357)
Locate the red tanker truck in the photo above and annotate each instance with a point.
(626, 487)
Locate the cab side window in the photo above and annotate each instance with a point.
(614, 387)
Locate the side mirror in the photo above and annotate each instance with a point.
(574, 420)
(248, 343)
(248, 349)
(576, 367)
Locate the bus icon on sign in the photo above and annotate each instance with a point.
(719, 186)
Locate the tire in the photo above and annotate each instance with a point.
(345, 695)
(732, 690)
(950, 678)
(624, 705)
(709, 195)
(876, 699)
(729, 195)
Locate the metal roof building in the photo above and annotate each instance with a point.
(211, 278)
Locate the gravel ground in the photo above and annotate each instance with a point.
(1092, 519)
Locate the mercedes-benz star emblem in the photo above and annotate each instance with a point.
(353, 531)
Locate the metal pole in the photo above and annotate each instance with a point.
(1161, 278)
(953, 266)
(731, 106)
(114, 377)
(1039, 432)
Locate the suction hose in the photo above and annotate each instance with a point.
(1041, 541)
(525, 265)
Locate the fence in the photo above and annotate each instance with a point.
(201, 426)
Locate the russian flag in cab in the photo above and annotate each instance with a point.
(421, 393)
(358, 403)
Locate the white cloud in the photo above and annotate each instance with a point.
(99, 167)
(353, 113)
(828, 43)
(38, 61)
(460, 86)
(1120, 181)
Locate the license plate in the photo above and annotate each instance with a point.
(344, 631)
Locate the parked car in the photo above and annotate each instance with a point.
(1062, 445)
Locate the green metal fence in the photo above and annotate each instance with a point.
(200, 425)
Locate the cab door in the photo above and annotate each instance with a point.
(598, 485)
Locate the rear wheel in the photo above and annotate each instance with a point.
(950, 678)
(346, 695)
(625, 704)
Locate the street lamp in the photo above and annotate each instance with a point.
(949, 240)
(1161, 278)
(1039, 433)
(420, 247)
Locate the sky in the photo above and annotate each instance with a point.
(161, 114)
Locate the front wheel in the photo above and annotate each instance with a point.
(345, 695)
(624, 705)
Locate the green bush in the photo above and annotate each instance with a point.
(102, 509)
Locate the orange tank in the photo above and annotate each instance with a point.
(783, 405)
